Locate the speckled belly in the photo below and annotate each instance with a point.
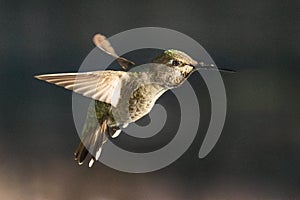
(143, 99)
(135, 104)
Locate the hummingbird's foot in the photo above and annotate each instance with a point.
(114, 131)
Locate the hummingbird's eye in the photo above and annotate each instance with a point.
(175, 63)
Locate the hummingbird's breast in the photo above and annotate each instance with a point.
(141, 89)
(143, 99)
(136, 101)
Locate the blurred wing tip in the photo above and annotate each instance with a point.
(45, 76)
(42, 77)
(98, 34)
(37, 77)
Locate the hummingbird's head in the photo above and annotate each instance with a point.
(177, 60)
(184, 63)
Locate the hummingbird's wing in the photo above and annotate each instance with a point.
(102, 86)
(102, 43)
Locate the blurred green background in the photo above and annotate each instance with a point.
(257, 156)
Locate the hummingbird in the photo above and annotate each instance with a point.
(123, 97)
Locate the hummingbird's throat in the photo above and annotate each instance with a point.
(185, 71)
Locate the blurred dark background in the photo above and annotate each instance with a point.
(257, 156)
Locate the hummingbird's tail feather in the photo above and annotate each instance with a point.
(80, 153)
(91, 145)
(94, 134)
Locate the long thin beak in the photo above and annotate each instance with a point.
(204, 66)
